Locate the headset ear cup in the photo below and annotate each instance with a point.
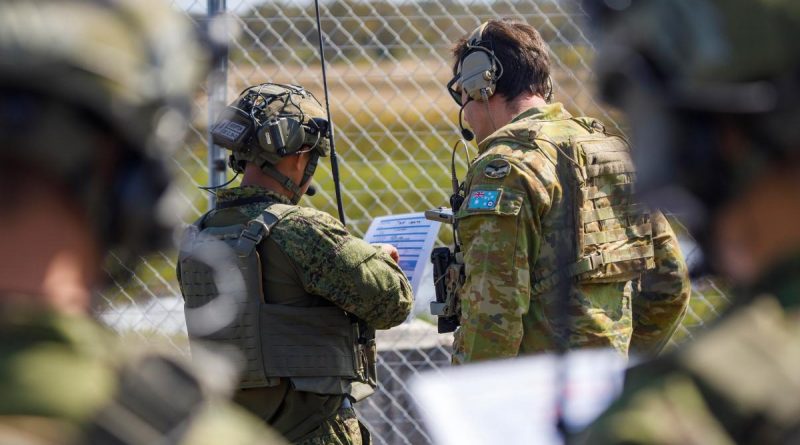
(295, 135)
(478, 74)
(282, 137)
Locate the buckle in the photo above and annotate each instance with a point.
(252, 234)
(596, 260)
(254, 231)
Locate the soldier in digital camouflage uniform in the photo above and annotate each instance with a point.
(317, 294)
(549, 199)
(714, 112)
(92, 96)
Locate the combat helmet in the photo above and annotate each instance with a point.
(683, 70)
(269, 121)
(76, 74)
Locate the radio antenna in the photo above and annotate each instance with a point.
(334, 160)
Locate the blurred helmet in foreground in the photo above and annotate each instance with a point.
(711, 89)
(96, 94)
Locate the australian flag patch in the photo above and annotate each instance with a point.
(483, 199)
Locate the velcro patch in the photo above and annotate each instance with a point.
(497, 168)
(483, 199)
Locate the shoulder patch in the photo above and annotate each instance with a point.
(483, 199)
(497, 168)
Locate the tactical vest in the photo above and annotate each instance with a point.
(613, 239)
(321, 349)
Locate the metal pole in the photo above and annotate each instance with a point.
(217, 93)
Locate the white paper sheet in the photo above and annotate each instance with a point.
(414, 236)
(514, 402)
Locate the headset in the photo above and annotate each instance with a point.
(266, 123)
(258, 117)
(479, 70)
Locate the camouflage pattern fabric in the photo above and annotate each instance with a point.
(341, 429)
(310, 259)
(661, 304)
(736, 384)
(62, 378)
(356, 276)
(518, 238)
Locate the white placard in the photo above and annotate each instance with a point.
(515, 402)
(414, 236)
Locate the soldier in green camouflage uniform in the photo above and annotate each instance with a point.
(723, 84)
(545, 183)
(92, 95)
(312, 273)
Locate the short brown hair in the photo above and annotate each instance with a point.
(522, 52)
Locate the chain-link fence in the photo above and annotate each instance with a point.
(395, 125)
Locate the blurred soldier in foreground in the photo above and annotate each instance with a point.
(92, 96)
(712, 89)
(548, 204)
(286, 286)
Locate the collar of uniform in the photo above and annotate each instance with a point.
(250, 191)
(547, 112)
(782, 281)
(544, 113)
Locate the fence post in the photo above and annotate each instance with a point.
(217, 92)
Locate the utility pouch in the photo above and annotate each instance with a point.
(614, 233)
(307, 342)
(448, 276)
(614, 240)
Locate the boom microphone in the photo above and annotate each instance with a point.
(465, 132)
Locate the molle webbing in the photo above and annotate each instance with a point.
(273, 340)
(609, 222)
(624, 233)
(606, 213)
(614, 234)
(221, 278)
(307, 342)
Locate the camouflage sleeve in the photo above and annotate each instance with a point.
(499, 227)
(658, 409)
(223, 422)
(356, 276)
(731, 385)
(660, 306)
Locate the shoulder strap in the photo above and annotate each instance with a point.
(591, 124)
(259, 228)
(200, 222)
(275, 212)
(189, 236)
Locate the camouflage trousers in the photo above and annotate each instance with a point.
(343, 428)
